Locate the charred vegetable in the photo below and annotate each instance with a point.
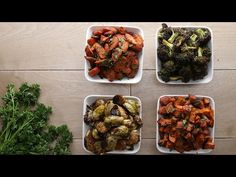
(113, 125)
(185, 123)
(113, 53)
(183, 53)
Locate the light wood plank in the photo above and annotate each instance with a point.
(148, 147)
(223, 147)
(42, 45)
(64, 91)
(221, 89)
(61, 45)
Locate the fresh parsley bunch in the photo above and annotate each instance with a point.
(24, 124)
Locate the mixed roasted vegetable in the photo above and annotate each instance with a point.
(184, 53)
(113, 125)
(24, 124)
(113, 53)
(185, 123)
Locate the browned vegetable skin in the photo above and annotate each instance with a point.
(114, 124)
(113, 53)
(185, 123)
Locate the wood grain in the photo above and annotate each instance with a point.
(28, 46)
(52, 54)
(148, 147)
(221, 89)
(64, 91)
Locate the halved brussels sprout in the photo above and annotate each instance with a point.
(113, 120)
(134, 137)
(111, 143)
(95, 134)
(121, 131)
(98, 112)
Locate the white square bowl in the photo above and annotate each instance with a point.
(91, 99)
(206, 79)
(97, 79)
(200, 151)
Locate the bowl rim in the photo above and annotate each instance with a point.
(108, 97)
(200, 151)
(200, 81)
(134, 80)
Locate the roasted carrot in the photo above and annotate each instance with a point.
(111, 49)
(93, 72)
(91, 41)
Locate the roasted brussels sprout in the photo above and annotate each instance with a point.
(95, 134)
(118, 99)
(98, 112)
(111, 143)
(113, 125)
(113, 120)
(89, 141)
(98, 103)
(101, 128)
(121, 145)
(134, 137)
(121, 131)
(127, 122)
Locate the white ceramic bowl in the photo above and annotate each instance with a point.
(206, 79)
(97, 79)
(200, 151)
(91, 99)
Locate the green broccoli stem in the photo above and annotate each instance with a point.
(173, 36)
(199, 52)
(192, 48)
(193, 37)
(166, 43)
(200, 32)
(160, 35)
(175, 78)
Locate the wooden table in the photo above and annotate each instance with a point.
(52, 54)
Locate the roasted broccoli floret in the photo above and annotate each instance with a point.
(206, 52)
(200, 59)
(185, 54)
(168, 44)
(164, 33)
(203, 36)
(186, 73)
(164, 74)
(193, 41)
(199, 72)
(186, 48)
(179, 41)
(168, 51)
(170, 66)
(184, 58)
(193, 37)
(185, 33)
(164, 52)
(173, 36)
(167, 70)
